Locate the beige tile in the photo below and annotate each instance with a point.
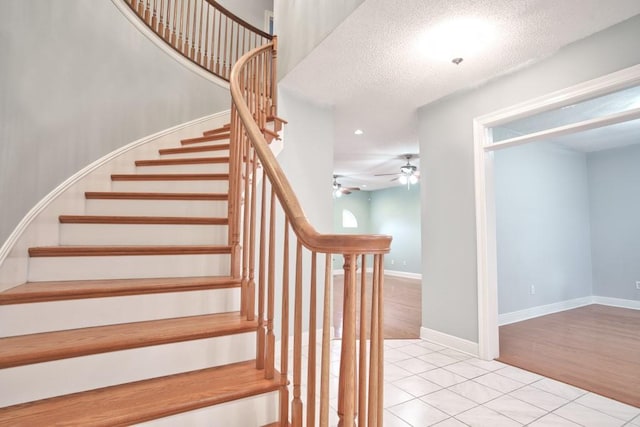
(418, 414)
(587, 417)
(449, 402)
(516, 409)
(416, 385)
(609, 406)
(481, 416)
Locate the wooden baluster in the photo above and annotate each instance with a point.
(271, 338)
(192, 52)
(274, 77)
(375, 380)
(181, 19)
(147, 13)
(224, 55)
(205, 57)
(284, 343)
(199, 59)
(154, 17)
(160, 28)
(346, 398)
(380, 407)
(260, 345)
(246, 233)
(326, 344)
(311, 359)
(251, 286)
(175, 18)
(217, 70)
(237, 43)
(185, 47)
(296, 404)
(362, 363)
(141, 9)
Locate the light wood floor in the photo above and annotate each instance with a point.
(402, 306)
(596, 348)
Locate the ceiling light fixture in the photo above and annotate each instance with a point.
(459, 38)
(358, 132)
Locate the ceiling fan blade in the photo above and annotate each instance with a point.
(385, 174)
(395, 179)
(345, 191)
(352, 188)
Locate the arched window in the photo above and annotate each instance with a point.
(349, 219)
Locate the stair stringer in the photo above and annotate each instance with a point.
(40, 227)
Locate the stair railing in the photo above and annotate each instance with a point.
(202, 31)
(262, 193)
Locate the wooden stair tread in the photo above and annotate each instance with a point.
(75, 289)
(194, 149)
(170, 177)
(48, 346)
(168, 220)
(223, 128)
(206, 138)
(145, 400)
(59, 251)
(186, 161)
(121, 195)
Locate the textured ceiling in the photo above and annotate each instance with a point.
(378, 66)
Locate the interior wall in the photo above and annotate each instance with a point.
(445, 130)
(542, 226)
(79, 81)
(358, 203)
(614, 183)
(251, 11)
(302, 25)
(395, 211)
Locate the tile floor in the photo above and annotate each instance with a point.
(430, 385)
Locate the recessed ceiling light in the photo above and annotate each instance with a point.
(358, 132)
(364, 186)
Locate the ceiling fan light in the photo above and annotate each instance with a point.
(403, 179)
(413, 179)
(406, 169)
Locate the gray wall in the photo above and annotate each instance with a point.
(542, 226)
(396, 211)
(77, 82)
(614, 181)
(450, 303)
(302, 25)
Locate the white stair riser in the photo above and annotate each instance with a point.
(190, 208)
(32, 318)
(172, 186)
(196, 154)
(252, 411)
(125, 267)
(43, 380)
(195, 168)
(142, 234)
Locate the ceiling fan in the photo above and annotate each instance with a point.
(408, 174)
(339, 190)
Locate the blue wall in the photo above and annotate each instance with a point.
(614, 182)
(542, 226)
(393, 211)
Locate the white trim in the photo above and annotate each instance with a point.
(450, 341)
(404, 274)
(488, 341)
(617, 302)
(164, 46)
(584, 125)
(69, 182)
(543, 310)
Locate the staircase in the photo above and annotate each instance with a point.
(147, 267)
(194, 292)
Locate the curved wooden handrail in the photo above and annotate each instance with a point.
(239, 20)
(310, 238)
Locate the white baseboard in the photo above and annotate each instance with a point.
(450, 341)
(530, 313)
(617, 302)
(404, 274)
